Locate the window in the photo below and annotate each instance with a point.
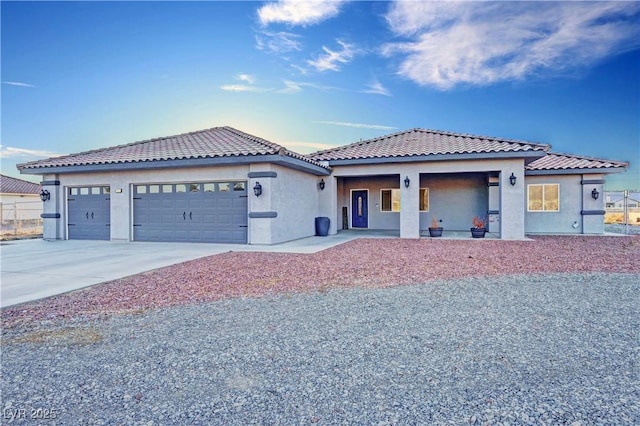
(424, 199)
(167, 189)
(390, 200)
(141, 189)
(181, 188)
(209, 187)
(543, 198)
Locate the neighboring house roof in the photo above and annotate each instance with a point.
(9, 185)
(558, 163)
(432, 144)
(617, 197)
(215, 143)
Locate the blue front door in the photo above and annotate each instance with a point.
(359, 209)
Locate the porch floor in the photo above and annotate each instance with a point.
(395, 233)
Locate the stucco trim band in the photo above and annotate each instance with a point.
(263, 215)
(571, 171)
(253, 175)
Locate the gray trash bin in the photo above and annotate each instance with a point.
(322, 226)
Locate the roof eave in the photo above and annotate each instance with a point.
(607, 170)
(527, 155)
(285, 161)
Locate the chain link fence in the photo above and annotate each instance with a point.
(622, 212)
(20, 219)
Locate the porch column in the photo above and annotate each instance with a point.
(512, 203)
(410, 205)
(328, 202)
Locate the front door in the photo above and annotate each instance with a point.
(359, 209)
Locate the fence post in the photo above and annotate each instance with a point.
(626, 211)
(15, 218)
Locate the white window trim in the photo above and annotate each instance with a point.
(543, 197)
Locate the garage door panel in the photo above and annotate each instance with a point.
(89, 213)
(199, 212)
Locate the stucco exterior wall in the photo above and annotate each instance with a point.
(579, 212)
(454, 199)
(293, 195)
(289, 199)
(121, 183)
(377, 218)
(457, 191)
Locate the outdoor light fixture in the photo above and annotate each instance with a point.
(45, 195)
(257, 189)
(321, 184)
(595, 194)
(407, 181)
(512, 179)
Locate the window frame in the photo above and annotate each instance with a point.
(543, 208)
(391, 190)
(428, 199)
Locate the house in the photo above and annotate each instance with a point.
(616, 201)
(224, 185)
(19, 200)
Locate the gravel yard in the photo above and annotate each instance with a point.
(375, 331)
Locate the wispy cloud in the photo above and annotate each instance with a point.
(18, 83)
(295, 87)
(241, 87)
(278, 42)
(291, 87)
(331, 60)
(481, 43)
(357, 125)
(9, 151)
(376, 88)
(246, 77)
(295, 12)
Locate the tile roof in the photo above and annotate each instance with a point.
(421, 142)
(9, 185)
(555, 161)
(209, 143)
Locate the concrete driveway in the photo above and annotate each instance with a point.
(35, 269)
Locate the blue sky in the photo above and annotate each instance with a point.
(310, 75)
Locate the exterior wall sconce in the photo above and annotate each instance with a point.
(595, 194)
(512, 179)
(45, 195)
(257, 189)
(321, 185)
(407, 181)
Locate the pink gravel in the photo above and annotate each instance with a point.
(371, 263)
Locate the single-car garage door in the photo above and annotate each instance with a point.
(211, 212)
(89, 213)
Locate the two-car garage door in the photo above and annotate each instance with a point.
(214, 212)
